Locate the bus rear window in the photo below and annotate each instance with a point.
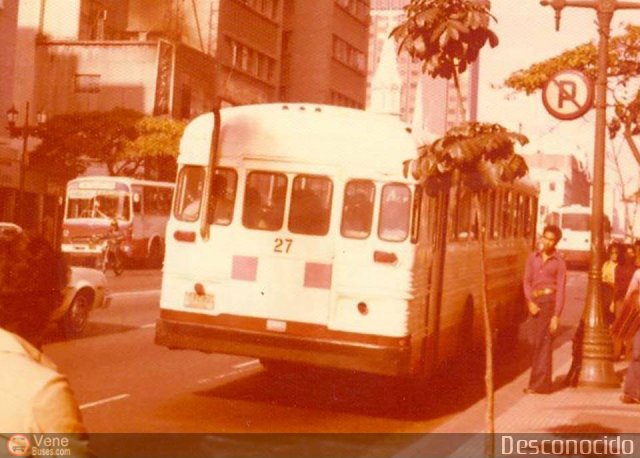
(189, 193)
(357, 210)
(576, 221)
(264, 200)
(223, 196)
(310, 211)
(395, 208)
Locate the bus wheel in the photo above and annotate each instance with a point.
(155, 255)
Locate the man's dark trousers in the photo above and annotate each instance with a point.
(542, 340)
(632, 379)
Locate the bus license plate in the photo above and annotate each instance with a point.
(193, 300)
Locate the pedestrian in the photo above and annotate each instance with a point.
(544, 290)
(623, 274)
(631, 388)
(34, 396)
(608, 280)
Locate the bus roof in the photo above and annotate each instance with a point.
(319, 134)
(118, 179)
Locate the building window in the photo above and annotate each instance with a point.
(348, 55)
(344, 101)
(552, 186)
(356, 8)
(251, 61)
(87, 83)
(268, 8)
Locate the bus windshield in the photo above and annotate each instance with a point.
(575, 222)
(88, 203)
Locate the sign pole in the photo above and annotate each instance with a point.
(597, 351)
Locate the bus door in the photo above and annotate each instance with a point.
(373, 277)
(292, 254)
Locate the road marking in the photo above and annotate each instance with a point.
(136, 293)
(146, 326)
(249, 363)
(240, 368)
(104, 401)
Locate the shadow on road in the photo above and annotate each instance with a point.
(455, 387)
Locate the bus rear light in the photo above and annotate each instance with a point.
(385, 257)
(363, 308)
(184, 236)
(199, 289)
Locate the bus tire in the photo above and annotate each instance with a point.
(155, 255)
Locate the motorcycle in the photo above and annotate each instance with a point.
(108, 254)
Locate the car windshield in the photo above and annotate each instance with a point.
(98, 204)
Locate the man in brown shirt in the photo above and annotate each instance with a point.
(544, 289)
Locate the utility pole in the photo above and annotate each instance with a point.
(597, 349)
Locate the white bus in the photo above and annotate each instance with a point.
(575, 222)
(308, 245)
(140, 207)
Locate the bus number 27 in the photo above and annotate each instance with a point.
(282, 245)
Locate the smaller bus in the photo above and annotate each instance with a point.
(575, 222)
(140, 207)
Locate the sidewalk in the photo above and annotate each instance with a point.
(566, 410)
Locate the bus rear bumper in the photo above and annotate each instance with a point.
(316, 351)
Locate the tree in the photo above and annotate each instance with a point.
(623, 68)
(447, 36)
(122, 139)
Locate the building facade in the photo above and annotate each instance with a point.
(170, 58)
(563, 180)
(324, 50)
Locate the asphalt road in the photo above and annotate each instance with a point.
(125, 383)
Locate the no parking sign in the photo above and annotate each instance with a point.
(568, 94)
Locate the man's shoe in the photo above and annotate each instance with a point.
(626, 399)
(532, 391)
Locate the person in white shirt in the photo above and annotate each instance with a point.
(34, 396)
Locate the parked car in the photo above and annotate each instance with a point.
(87, 290)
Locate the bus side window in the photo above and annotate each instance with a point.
(395, 209)
(137, 202)
(189, 193)
(264, 201)
(310, 210)
(357, 210)
(223, 196)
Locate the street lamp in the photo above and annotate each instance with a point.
(23, 131)
(597, 351)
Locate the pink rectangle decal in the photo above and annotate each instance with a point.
(317, 275)
(244, 268)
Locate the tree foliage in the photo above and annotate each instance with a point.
(623, 68)
(446, 35)
(483, 152)
(122, 139)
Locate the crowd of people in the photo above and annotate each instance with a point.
(621, 288)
